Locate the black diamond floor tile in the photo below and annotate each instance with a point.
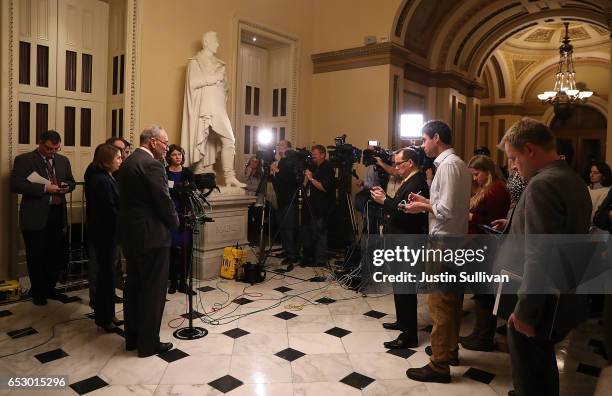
(283, 289)
(375, 314)
(21, 332)
(195, 315)
(404, 353)
(50, 356)
(4, 313)
(236, 333)
(357, 380)
(588, 369)
(338, 332)
(173, 355)
(88, 385)
(285, 315)
(226, 383)
(205, 289)
(317, 279)
(290, 354)
(479, 375)
(427, 329)
(242, 301)
(325, 300)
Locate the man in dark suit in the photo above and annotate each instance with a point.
(556, 201)
(146, 215)
(42, 213)
(396, 221)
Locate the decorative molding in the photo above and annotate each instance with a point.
(393, 54)
(540, 36)
(12, 91)
(133, 60)
(513, 109)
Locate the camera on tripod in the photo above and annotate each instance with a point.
(369, 155)
(343, 154)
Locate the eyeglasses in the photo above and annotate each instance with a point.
(162, 142)
(397, 165)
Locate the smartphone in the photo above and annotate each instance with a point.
(489, 229)
(402, 204)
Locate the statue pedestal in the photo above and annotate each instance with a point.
(230, 212)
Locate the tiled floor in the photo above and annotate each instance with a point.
(275, 341)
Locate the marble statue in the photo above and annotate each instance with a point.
(206, 126)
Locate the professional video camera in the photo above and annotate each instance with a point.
(424, 161)
(343, 154)
(385, 155)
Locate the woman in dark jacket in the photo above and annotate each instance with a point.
(398, 222)
(182, 244)
(103, 204)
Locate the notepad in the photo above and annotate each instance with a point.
(36, 178)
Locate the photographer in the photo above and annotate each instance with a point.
(319, 186)
(286, 182)
(396, 221)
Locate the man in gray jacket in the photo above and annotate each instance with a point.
(42, 212)
(556, 201)
(146, 216)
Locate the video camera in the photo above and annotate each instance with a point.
(424, 161)
(343, 154)
(385, 155)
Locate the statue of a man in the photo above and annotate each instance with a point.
(206, 127)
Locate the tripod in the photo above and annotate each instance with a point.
(193, 205)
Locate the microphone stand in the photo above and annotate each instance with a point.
(193, 204)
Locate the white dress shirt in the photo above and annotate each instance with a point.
(450, 195)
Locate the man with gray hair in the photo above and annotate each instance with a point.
(146, 216)
(555, 201)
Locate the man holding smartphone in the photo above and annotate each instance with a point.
(42, 212)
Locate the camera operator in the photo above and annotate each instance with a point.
(286, 182)
(319, 187)
(396, 221)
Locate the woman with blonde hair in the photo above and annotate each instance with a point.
(490, 201)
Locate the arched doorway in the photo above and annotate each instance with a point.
(585, 130)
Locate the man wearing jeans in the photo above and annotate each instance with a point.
(319, 188)
(448, 209)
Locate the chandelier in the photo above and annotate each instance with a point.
(565, 91)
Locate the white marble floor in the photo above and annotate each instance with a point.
(278, 341)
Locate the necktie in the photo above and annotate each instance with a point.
(55, 199)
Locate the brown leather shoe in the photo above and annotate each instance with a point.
(428, 374)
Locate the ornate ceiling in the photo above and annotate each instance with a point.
(548, 36)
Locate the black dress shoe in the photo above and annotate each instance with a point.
(477, 343)
(391, 326)
(186, 290)
(161, 348)
(402, 342)
(39, 300)
(108, 327)
(427, 374)
(55, 295)
(453, 362)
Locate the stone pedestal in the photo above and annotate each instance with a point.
(230, 212)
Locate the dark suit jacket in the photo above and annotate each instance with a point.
(103, 208)
(399, 222)
(146, 212)
(556, 201)
(34, 207)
